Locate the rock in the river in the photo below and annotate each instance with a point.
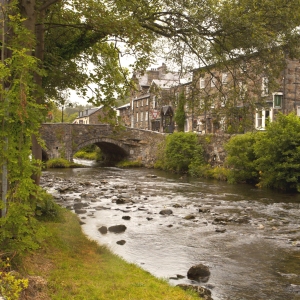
(117, 228)
(121, 242)
(151, 176)
(204, 210)
(189, 217)
(202, 291)
(103, 229)
(126, 217)
(166, 212)
(199, 272)
(79, 205)
(80, 211)
(221, 230)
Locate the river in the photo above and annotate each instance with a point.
(248, 237)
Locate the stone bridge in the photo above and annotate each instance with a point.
(116, 143)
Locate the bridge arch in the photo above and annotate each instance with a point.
(112, 150)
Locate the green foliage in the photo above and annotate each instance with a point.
(241, 158)
(46, 209)
(10, 285)
(61, 163)
(181, 151)
(271, 158)
(129, 164)
(278, 154)
(180, 113)
(91, 152)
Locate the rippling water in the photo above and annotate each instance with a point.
(257, 257)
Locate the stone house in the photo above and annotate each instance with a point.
(151, 101)
(89, 116)
(234, 100)
(124, 115)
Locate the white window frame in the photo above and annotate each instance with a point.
(223, 100)
(262, 125)
(137, 117)
(137, 103)
(298, 111)
(277, 94)
(147, 101)
(146, 116)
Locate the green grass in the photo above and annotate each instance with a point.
(129, 164)
(86, 155)
(78, 268)
(61, 163)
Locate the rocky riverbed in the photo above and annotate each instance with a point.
(248, 241)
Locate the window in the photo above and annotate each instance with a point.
(277, 100)
(147, 101)
(224, 78)
(142, 116)
(137, 117)
(202, 82)
(137, 103)
(223, 101)
(265, 86)
(262, 117)
(142, 102)
(298, 111)
(213, 81)
(146, 115)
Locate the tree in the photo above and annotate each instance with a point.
(180, 113)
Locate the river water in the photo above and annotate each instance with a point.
(249, 238)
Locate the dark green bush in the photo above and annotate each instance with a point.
(181, 150)
(241, 158)
(278, 154)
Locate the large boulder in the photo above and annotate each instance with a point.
(199, 272)
(117, 228)
(166, 212)
(103, 229)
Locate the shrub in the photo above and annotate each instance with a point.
(241, 158)
(46, 209)
(181, 150)
(278, 152)
(10, 286)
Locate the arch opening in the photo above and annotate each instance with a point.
(111, 151)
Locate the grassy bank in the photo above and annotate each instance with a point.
(75, 267)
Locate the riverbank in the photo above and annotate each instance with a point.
(70, 266)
